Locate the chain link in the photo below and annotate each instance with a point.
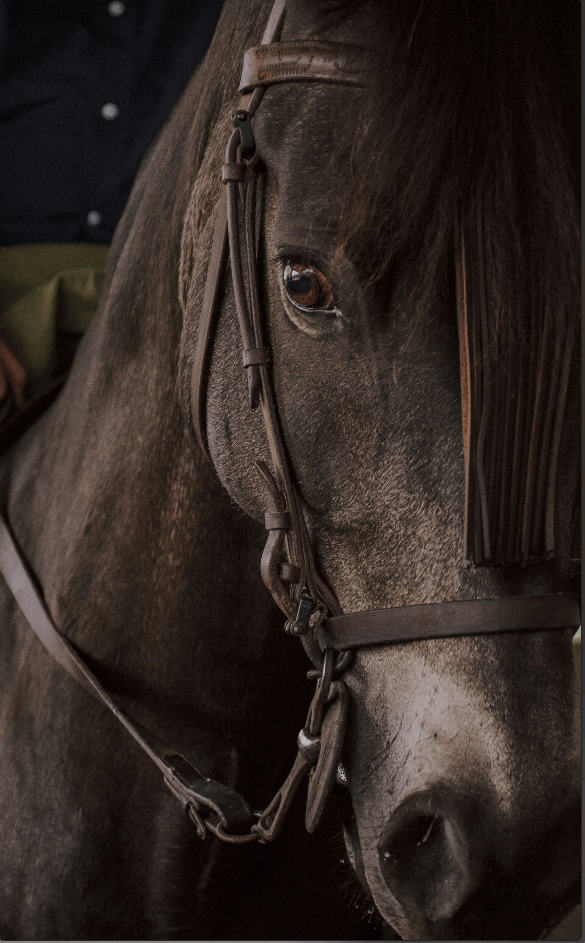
(216, 826)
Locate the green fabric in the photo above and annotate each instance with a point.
(44, 289)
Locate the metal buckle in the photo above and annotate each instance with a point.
(324, 682)
(242, 120)
(201, 797)
(300, 625)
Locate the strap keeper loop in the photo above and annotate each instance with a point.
(252, 356)
(277, 520)
(233, 172)
(288, 571)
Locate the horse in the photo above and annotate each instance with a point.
(424, 176)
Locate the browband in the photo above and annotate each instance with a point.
(330, 63)
(451, 619)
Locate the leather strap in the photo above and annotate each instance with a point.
(287, 62)
(451, 619)
(207, 323)
(328, 63)
(253, 357)
(211, 806)
(214, 285)
(196, 792)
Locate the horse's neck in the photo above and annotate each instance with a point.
(136, 546)
(116, 425)
(144, 562)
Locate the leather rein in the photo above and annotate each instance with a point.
(312, 609)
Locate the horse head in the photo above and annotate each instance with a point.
(458, 780)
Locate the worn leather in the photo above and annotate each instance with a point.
(329, 63)
(207, 324)
(451, 619)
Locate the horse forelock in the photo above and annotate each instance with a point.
(469, 104)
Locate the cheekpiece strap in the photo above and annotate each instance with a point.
(333, 63)
(253, 356)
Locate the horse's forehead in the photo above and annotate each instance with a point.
(335, 20)
(307, 120)
(305, 134)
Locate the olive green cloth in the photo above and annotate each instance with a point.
(46, 289)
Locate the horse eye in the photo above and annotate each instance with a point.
(307, 288)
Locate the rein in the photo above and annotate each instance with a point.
(312, 609)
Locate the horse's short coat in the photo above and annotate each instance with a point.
(150, 568)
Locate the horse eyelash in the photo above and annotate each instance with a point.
(295, 254)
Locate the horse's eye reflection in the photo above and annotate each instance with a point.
(307, 288)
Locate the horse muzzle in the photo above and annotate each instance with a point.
(456, 872)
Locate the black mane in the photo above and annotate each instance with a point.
(482, 105)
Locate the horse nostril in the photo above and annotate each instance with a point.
(426, 856)
(416, 849)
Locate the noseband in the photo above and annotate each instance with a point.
(310, 606)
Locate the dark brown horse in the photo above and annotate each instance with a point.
(459, 777)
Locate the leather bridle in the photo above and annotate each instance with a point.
(312, 609)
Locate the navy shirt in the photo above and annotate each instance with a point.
(85, 86)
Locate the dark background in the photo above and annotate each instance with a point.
(67, 163)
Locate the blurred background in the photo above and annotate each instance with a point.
(85, 88)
